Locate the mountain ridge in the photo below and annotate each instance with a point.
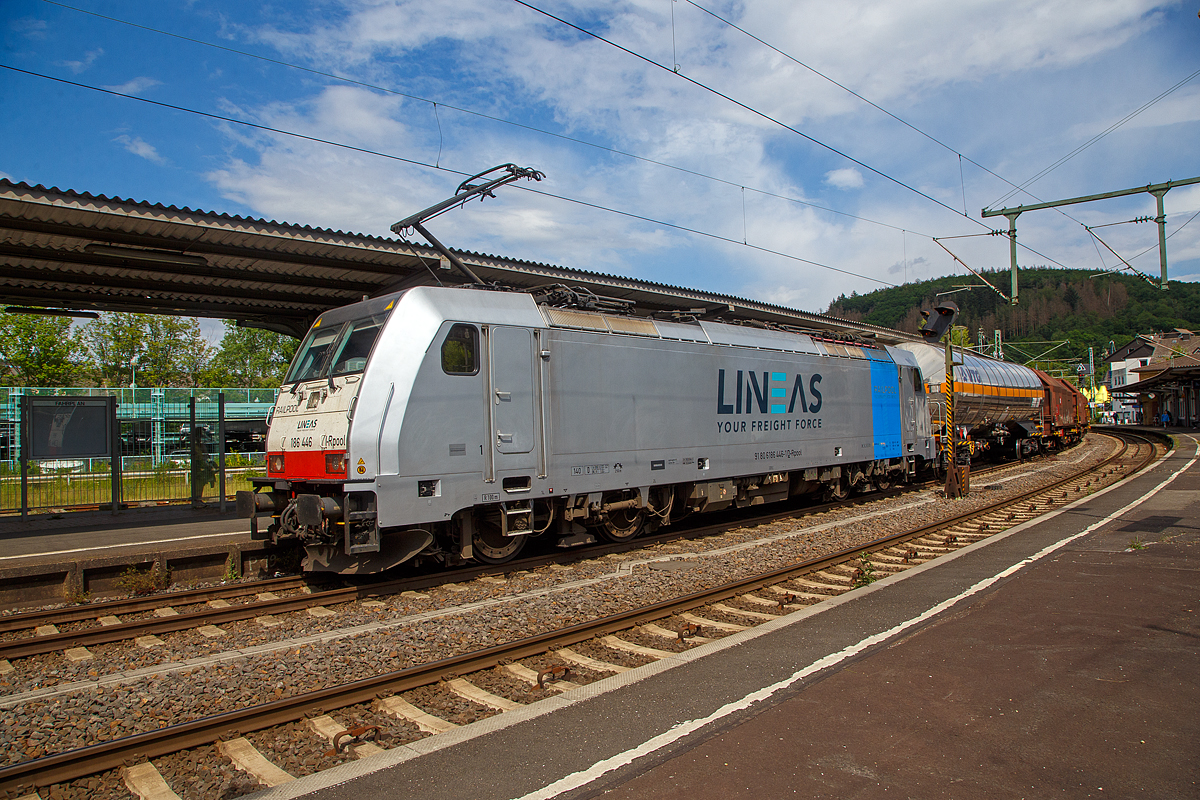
(1103, 311)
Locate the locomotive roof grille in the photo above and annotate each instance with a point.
(720, 334)
(587, 321)
(567, 318)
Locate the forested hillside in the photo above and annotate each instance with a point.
(1055, 305)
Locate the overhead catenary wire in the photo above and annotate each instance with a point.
(847, 89)
(1122, 222)
(222, 118)
(471, 112)
(930, 137)
(707, 234)
(563, 137)
(1128, 266)
(732, 183)
(937, 141)
(418, 163)
(1100, 255)
(774, 121)
(1095, 139)
(743, 106)
(967, 266)
(1169, 235)
(439, 124)
(1096, 239)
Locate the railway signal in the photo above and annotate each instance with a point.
(938, 325)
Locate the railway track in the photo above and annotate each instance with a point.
(214, 607)
(266, 604)
(556, 660)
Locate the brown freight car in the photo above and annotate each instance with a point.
(1064, 411)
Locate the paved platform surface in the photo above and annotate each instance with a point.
(1051, 660)
(49, 539)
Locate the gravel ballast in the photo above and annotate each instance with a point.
(51, 705)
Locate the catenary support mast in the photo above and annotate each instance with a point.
(1157, 189)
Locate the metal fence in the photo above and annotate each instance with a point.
(177, 445)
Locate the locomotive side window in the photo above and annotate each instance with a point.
(460, 351)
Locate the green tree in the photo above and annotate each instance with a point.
(115, 341)
(1056, 304)
(149, 349)
(174, 354)
(40, 351)
(960, 336)
(251, 357)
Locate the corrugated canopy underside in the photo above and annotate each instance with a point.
(68, 250)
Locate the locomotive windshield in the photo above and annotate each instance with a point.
(337, 347)
(312, 355)
(357, 341)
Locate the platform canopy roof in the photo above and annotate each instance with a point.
(1174, 363)
(1176, 376)
(76, 251)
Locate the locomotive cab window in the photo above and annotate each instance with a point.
(312, 354)
(335, 347)
(460, 351)
(356, 346)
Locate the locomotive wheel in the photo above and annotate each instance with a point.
(623, 525)
(839, 491)
(492, 547)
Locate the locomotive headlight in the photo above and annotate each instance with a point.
(275, 463)
(335, 463)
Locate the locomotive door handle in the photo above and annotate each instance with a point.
(503, 397)
(506, 438)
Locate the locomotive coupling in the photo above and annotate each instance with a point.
(312, 510)
(248, 503)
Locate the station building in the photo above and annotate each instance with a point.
(1156, 375)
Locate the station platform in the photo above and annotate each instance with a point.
(49, 558)
(1056, 658)
(50, 536)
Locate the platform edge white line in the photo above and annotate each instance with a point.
(395, 756)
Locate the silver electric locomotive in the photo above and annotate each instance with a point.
(456, 423)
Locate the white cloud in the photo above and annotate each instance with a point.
(29, 27)
(85, 63)
(889, 51)
(141, 148)
(135, 86)
(846, 178)
(914, 58)
(309, 183)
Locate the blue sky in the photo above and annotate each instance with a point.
(1008, 88)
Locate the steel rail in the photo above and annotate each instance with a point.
(38, 645)
(26, 647)
(32, 619)
(74, 764)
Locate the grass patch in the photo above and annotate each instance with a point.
(864, 575)
(135, 582)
